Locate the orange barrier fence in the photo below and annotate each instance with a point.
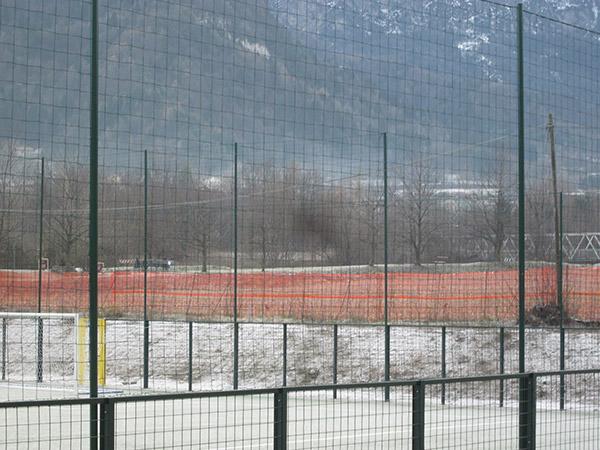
(465, 296)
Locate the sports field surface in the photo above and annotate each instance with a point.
(362, 421)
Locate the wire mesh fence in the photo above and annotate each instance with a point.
(52, 426)
(199, 356)
(215, 422)
(311, 162)
(357, 172)
(562, 410)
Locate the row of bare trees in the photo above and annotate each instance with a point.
(286, 217)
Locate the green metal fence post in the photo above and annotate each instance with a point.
(93, 229)
(531, 410)
(501, 366)
(284, 363)
(236, 333)
(335, 358)
(235, 268)
(280, 420)
(386, 372)
(521, 185)
(107, 424)
(146, 322)
(559, 288)
(443, 364)
(523, 403)
(40, 330)
(418, 416)
(190, 354)
(4, 335)
(526, 411)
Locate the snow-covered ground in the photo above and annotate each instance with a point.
(416, 352)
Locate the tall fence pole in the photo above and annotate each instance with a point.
(521, 186)
(558, 223)
(561, 305)
(236, 331)
(523, 393)
(146, 322)
(93, 230)
(40, 330)
(386, 371)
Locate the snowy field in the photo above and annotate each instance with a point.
(415, 353)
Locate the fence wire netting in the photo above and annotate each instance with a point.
(318, 164)
(476, 412)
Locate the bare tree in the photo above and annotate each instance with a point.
(345, 225)
(285, 221)
(264, 212)
(8, 198)
(490, 212)
(198, 222)
(539, 221)
(418, 204)
(370, 226)
(67, 224)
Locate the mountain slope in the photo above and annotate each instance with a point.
(309, 81)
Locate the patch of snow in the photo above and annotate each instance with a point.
(415, 354)
(255, 47)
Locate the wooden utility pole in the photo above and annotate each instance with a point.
(557, 230)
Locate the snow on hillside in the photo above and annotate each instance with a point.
(415, 353)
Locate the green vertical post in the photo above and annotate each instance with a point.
(93, 230)
(386, 371)
(4, 335)
(190, 355)
(521, 185)
(107, 424)
(418, 416)
(531, 410)
(284, 363)
(280, 422)
(501, 366)
(40, 239)
(146, 322)
(236, 331)
(335, 358)
(523, 385)
(559, 288)
(40, 330)
(443, 365)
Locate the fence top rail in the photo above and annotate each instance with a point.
(287, 389)
(36, 315)
(433, 381)
(53, 402)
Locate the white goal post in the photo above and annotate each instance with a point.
(39, 351)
